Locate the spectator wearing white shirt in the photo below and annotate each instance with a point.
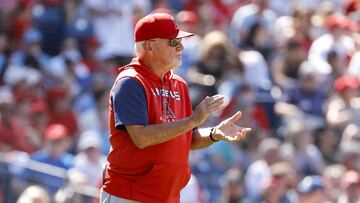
(335, 40)
(246, 16)
(89, 160)
(113, 22)
(259, 171)
(354, 65)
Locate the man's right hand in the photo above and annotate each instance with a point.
(206, 107)
(145, 136)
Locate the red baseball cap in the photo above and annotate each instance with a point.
(350, 6)
(346, 81)
(337, 21)
(349, 178)
(189, 17)
(38, 107)
(56, 131)
(158, 25)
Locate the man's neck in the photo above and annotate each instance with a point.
(159, 69)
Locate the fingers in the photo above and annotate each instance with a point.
(242, 134)
(235, 117)
(214, 99)
(213, 103)
(207, 107)
(217, 102)
(238, 136)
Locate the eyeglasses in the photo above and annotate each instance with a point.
(174, 42)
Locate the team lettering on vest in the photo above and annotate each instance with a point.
(165, 93)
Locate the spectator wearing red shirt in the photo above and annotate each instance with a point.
(60, 109)
(12, 135)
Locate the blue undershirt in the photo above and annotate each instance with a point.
(129, 103)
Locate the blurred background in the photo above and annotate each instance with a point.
(291, 66)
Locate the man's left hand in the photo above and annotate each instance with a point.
(227, 130)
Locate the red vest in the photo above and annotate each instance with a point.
(156, 173)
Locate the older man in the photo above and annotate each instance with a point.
(152, 124)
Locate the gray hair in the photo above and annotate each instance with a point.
(139, 48)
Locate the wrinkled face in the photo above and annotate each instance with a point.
(167, 52)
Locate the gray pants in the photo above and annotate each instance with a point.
(108, 198)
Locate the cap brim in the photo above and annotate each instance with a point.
(180, 34)
(183, 34)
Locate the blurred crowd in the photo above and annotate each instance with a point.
(291, 66)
